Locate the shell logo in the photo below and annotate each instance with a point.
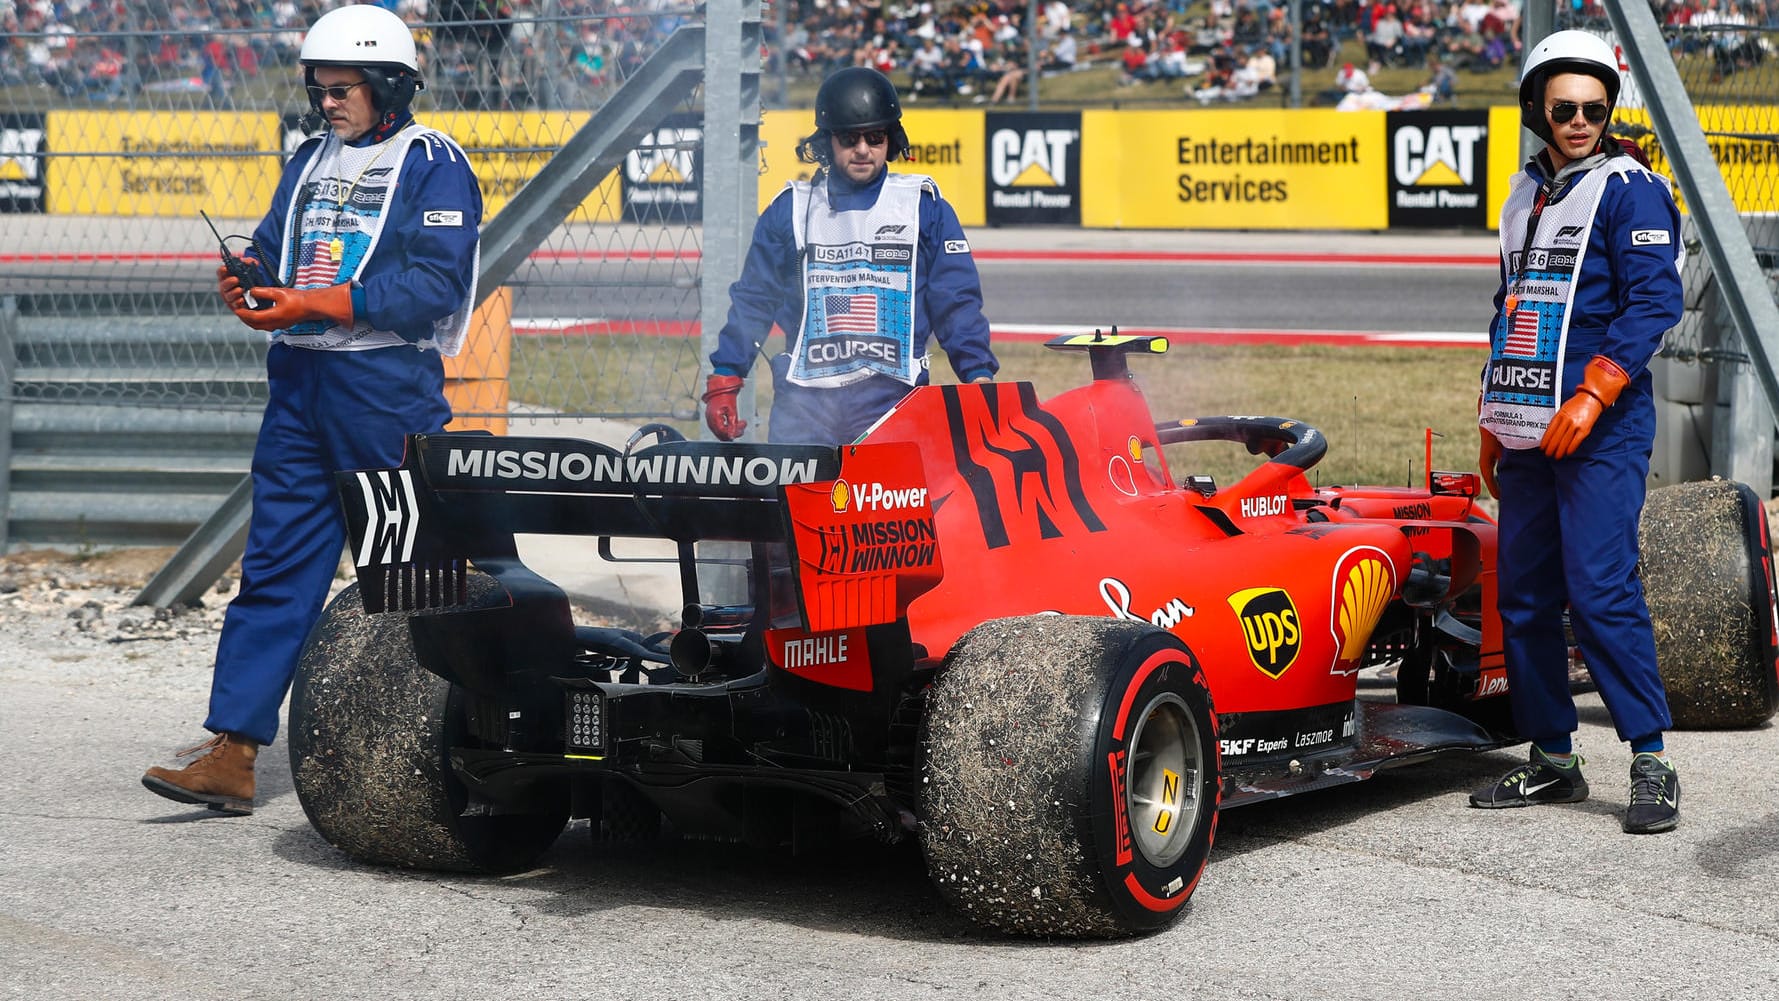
(1135, 447)
(1364, 584)
(840, 496)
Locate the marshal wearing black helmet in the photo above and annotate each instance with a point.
(856, 98)
(860, 266)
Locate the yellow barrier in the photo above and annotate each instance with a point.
(167, 163)
(1743, 139)
(1248, 169)
(477, 380)
(487, 135)
(1253, 168)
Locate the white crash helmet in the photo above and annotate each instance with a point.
(368, 38)
(1564, 52)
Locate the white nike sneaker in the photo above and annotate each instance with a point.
(1540, 780)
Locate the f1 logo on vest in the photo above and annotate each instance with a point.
(1032, 158)
(1437, 154)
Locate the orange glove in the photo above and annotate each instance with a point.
(1487, 458)
(720, 392)
(1601, 382)
(229, 287)
(291, 306)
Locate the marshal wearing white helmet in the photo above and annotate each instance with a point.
(1590, 284)
(369, 256)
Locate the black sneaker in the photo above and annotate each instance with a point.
(1655, 796)
(1539, 780)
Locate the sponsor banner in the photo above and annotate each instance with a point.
(663, 175)
(1744, 141)
(21, 162)
(161, 163)
(1438, 176)
(1504, 158)
(508, 148)
(947, 146)
(1034, 169)
(1230, 169)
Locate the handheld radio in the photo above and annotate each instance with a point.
(244, 273)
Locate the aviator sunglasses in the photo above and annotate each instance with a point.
(874, 137)
(1564, 111)
(340, 93)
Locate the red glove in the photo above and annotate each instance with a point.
(1601, 382)
(1487, 458)
(229, 287)
(720, 392)
(291, 306)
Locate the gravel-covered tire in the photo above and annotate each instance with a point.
(370, 736)
(1070, 778)
(1707, 572)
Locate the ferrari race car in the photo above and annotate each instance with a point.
(1001, 626)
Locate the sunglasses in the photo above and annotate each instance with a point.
(1564, 111)
(875, 137)
(338, 93)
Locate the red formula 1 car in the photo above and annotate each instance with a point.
(1001, 626)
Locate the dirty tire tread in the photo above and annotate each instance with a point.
(1013, 826)
(369, 738)
(1705, 566)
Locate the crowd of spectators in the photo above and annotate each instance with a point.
(1225, 49)
(487, 52)
(481, 52)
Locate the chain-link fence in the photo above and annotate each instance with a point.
(130, 397)
(1712, 415)
(1729, 64)
(120, 123)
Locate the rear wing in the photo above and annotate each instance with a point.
(459, 497)
(862, 545)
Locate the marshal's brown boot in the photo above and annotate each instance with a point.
(222, 779)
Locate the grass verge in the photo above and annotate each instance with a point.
(1373, 403)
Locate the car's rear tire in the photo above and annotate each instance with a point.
(1707, 572)
(370, 735)
(1071, 776)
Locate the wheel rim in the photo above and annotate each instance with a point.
(1161, 788)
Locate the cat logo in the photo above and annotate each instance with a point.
(1270, 623)
(1033, 158)
(19, 149)
(664, 156)
(1437, 155)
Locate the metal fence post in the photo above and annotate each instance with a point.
(731, 155)
(9, 325)
(1721, 230)
(1538, 18)
(731, 202)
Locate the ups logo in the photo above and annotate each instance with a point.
(1270, 625)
